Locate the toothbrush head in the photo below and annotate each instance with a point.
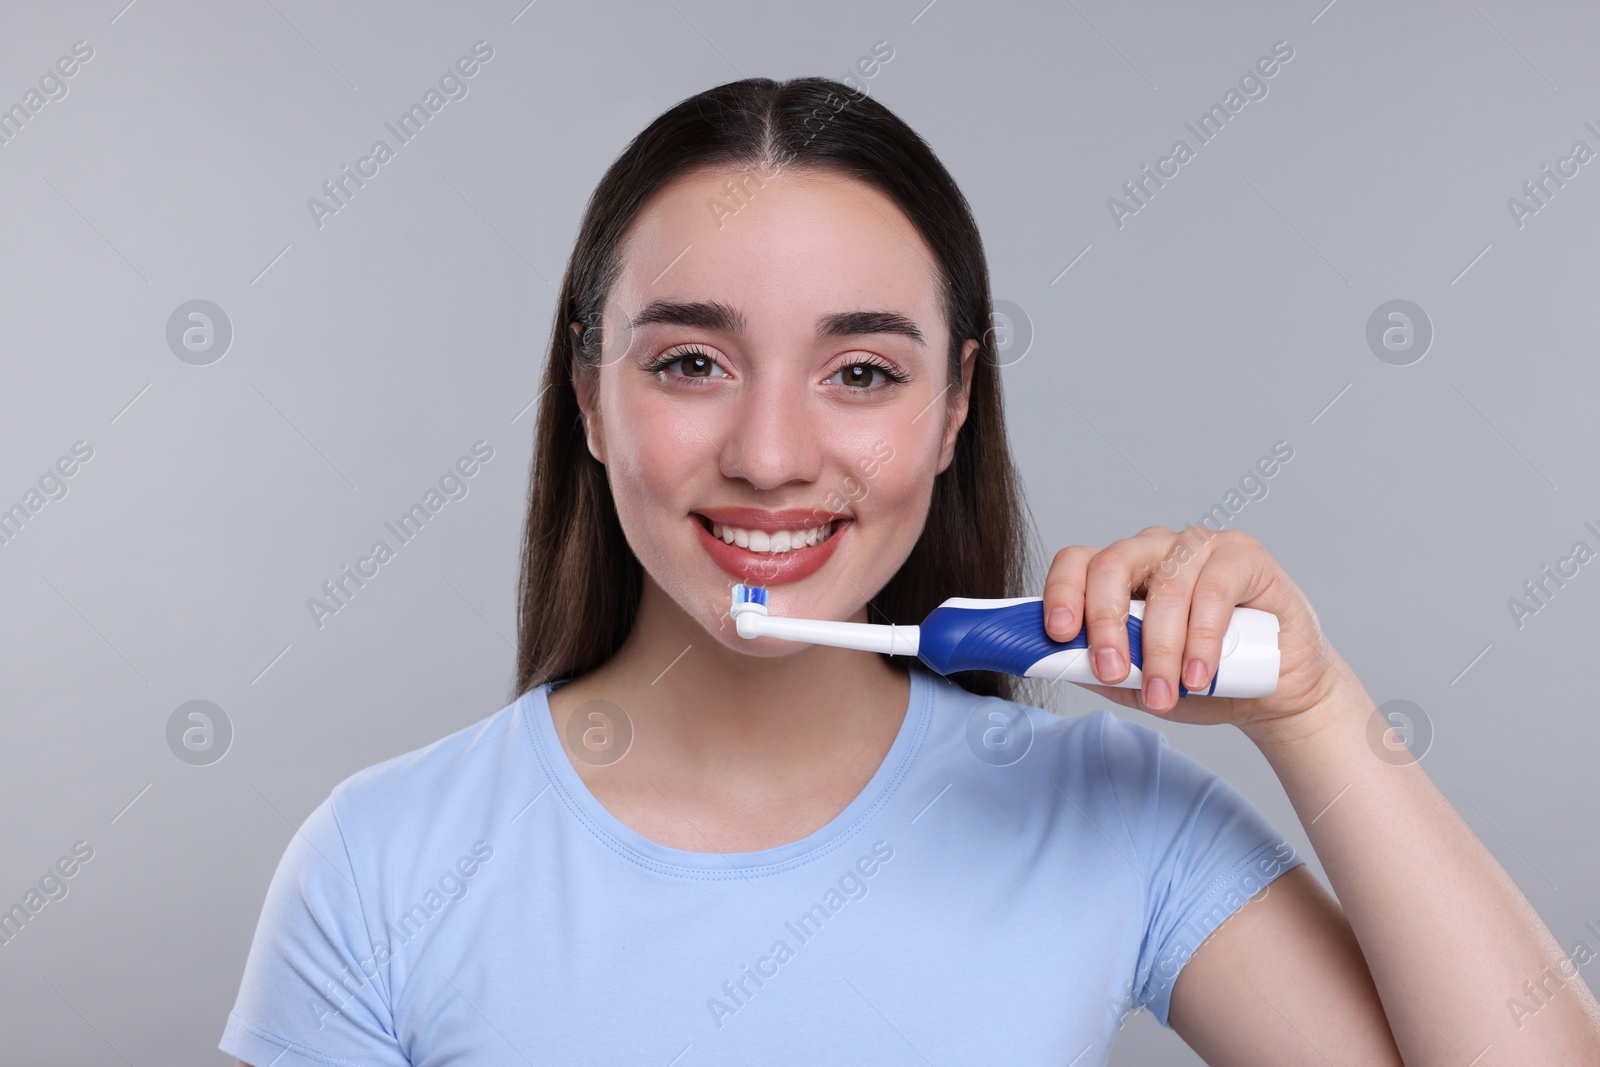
(748, 598)
(750, 619)
(749, 604)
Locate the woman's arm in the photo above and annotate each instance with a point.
(1466, 972)
(1282, 983)
(1431, 924)
(1448, 938)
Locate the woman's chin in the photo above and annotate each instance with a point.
(765, 647)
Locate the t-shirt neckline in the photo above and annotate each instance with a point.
(631, 844)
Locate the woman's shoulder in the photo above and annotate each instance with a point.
(457, 770)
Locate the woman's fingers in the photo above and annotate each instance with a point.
(1063, 592)
(1111, 576)
(1228, 579)
(1164, 631)
(1191, 582)
(1107, 589)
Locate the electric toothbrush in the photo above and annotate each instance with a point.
(1008, 636)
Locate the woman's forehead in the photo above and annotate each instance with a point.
(796, 248)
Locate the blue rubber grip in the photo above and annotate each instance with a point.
(1007, 639)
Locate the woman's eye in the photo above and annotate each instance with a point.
(860, 375)
(691, 365)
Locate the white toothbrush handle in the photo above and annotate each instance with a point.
(1248, 666)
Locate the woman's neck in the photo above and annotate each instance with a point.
(740, 723)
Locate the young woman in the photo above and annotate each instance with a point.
(771, 364)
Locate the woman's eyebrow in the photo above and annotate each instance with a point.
(714, 315)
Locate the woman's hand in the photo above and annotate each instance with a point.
(1190, 583)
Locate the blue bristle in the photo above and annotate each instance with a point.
(749, 594)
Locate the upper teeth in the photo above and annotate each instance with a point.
(780, 541)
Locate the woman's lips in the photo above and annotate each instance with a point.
(767, 568)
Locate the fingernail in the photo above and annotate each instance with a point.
(1194, 675)
(1060, 619)
(1157, 692)
(1106, 661)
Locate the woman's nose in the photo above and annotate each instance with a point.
(773, 439)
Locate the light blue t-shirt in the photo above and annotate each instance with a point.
(1008, 886)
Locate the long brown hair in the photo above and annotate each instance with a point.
(580, 583)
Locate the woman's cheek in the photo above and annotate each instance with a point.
(895, 486)
(653, 451)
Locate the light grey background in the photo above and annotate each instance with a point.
(368, 355)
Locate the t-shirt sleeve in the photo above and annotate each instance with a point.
(1202, 848)
(313, 992)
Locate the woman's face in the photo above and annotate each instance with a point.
(773, 402)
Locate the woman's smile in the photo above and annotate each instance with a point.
(766, 547)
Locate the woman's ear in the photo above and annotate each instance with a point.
(957, 410)
(584, 385)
